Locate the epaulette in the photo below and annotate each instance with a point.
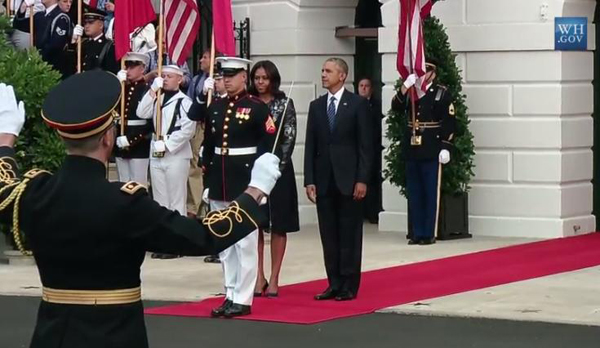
(132, 187)
(35, 173)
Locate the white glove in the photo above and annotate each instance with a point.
(12, 115)
(265, 173)
(122, 75)
(29, 3)
(159, 146)
(410, 81)
(77, 33)
(209, 83)
(157, 84)
(444, 156)
(122, 142)
(205, 196)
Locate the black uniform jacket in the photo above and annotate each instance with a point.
(99, 53)
(138, 131)
(51, 34)
(435, 114)
(87, 233)
(241, 121)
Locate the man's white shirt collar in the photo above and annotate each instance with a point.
(49, 9)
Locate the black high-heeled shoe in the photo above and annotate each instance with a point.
(264, 288)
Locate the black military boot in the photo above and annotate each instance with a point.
(220, 311)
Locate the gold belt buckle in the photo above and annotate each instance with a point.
(416, 140)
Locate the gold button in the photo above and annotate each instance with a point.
(224, 143)
(226, 119)
(229, 111)
(231, 104)
(225, 135)
(226, 127)
(132, 88)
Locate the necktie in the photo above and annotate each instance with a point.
(331, 113)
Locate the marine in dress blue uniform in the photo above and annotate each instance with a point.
(426, 145)
(89, 236)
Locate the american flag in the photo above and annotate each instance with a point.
(411, 46)
(182, 20)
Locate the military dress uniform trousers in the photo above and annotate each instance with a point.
(194, 185)
(422, 191)
(133, 169)
(169, 181)
(240, 265)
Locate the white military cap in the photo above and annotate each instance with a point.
(230, 66)
(172, 69)
(137, 57)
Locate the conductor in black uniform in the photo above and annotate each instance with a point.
(89, 236)
(426, 146)
(98, 52)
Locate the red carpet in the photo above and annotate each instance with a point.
(416, 282)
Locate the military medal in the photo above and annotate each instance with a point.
(416, 140)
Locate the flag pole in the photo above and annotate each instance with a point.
(123, 93)
(161, 29)
(282, 118)
(31, 36)
(79, 11)
(8, 7)
(412, 71)
(212, 67)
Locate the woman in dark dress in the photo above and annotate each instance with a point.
(283, 201)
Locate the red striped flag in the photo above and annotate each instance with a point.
(182, 21)
(411, 46)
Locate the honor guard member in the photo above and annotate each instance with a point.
(98, 52)
(240, 128)
(88, 235)
(51, 30)
(133, 147)
(171, 153)
(426, 147)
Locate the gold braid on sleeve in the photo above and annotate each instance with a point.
(9, 178)
(234, 211)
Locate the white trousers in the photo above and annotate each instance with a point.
(133, 169)
(240, 265)
(169, 182)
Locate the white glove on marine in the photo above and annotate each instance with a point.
(444, 156)
(157, 84)
(209, 83)
(159, 146)
(410, 81)
(122, 142)
(122, 75)
(12, 115)
(265, 173)
(205, 196)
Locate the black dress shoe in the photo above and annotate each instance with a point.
(237, 310)
(345, 296)
(212, 259)
(328, 294)
(220, 311)
(413, 241)
(427, 241)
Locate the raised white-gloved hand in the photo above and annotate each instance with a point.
(122, 142)
(159, 146)
(157, 84)
(209, 83)
(265, 173)
(12, 115)
(410, 81)
(77, 33)
(122, 75)
(205, 196)
(444, 156)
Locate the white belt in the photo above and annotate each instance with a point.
(137, 122)
(239, 151)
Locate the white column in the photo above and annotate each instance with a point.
(298, 35)
(530, 108)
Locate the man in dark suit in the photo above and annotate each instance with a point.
(337, 168)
